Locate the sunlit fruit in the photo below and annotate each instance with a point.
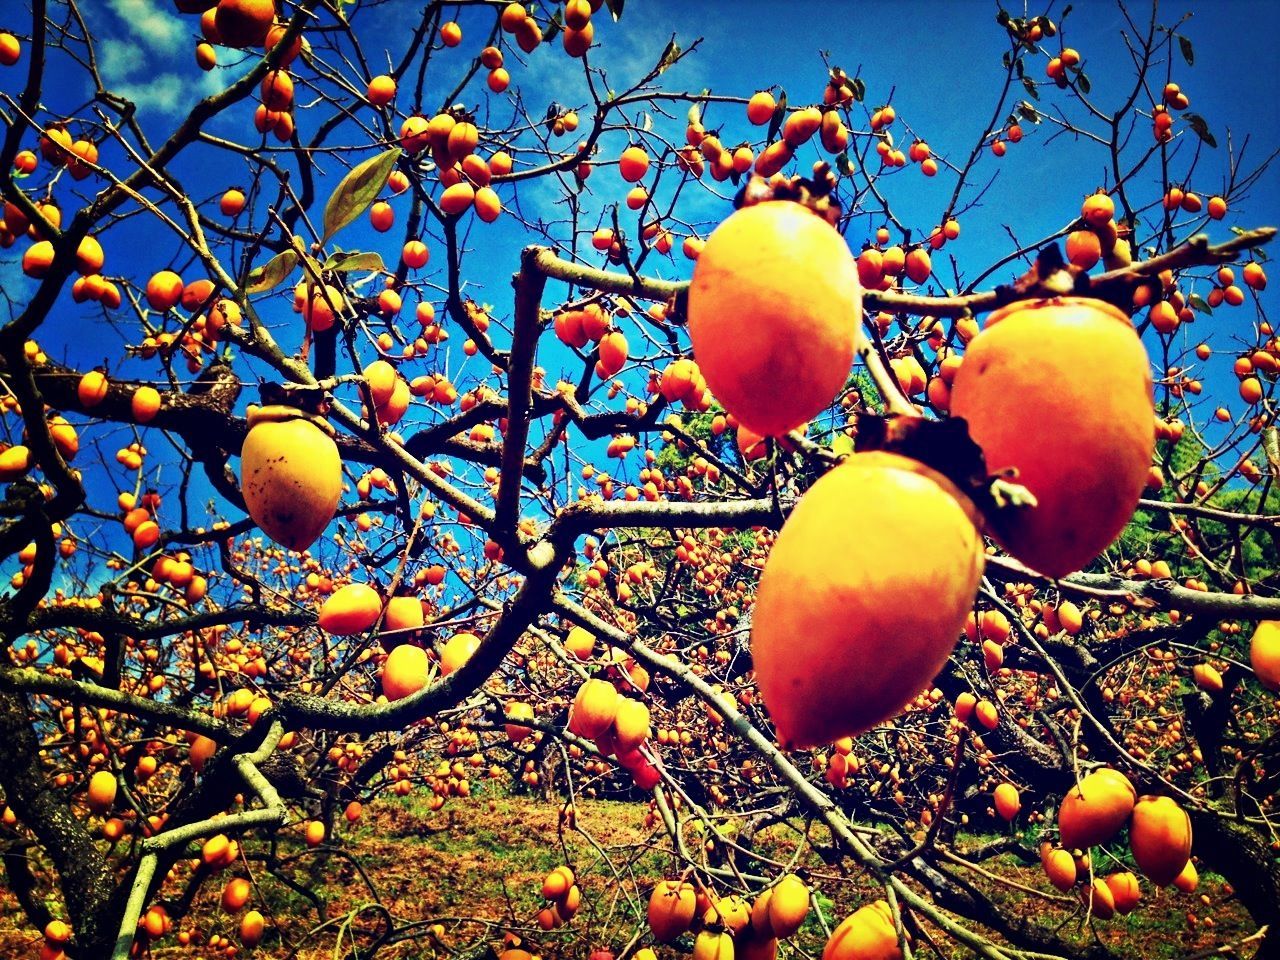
(405, 671)
(672, 907)
(880, 547)
(866, 934)
(1160, 837)
(773, 308)
(1061, 390)
(1264, 653)
(291, 475)
(350, 609)
(1095, 808)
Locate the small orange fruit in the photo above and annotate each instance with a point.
(102, 791)
(633, 164)
(382, 90)
(760, 108)
(1007, 801)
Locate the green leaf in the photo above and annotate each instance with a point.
(1198, 303)
(615, 8)
(272, 273)
(1188, 52)
(357, 191)
(1201, 127)
(553, 28)
(844, 164)
(1031, 88)
(352, 260)
(670, 54)
(695, 114)
(842, 445)
(859, 89)
(1082, 81)
(1028, 112)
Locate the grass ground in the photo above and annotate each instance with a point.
(476, 868)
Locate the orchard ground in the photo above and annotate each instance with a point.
(487, 859)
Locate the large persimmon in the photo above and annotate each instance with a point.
(1095, 808)
(1160, 837)
(405, 672)
(1061, 390)
(863, 596)
(773, 308)
(291, 475)
(866, 934)
(1264, 653)
(244, 23)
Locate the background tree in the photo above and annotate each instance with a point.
(304, 509)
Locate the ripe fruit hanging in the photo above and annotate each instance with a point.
(1007, 801)
(1095, 809)
(1160, 837)
(1264, 653)
(291, 475)
(672, 907)
(773, 307)
(863, 596)
(1061, 390)
(244, 23)
(405, 671)
(866, 934)
(351, 609)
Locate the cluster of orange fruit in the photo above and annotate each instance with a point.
(1091, 814)
(618, 725)
(880, 532)
(452, 138)
(732, 927)
(564, 897)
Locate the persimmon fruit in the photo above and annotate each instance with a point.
(1061, 390)
(863, 596)
(1160, 837)
(773, 308)
(291, 475)
(1095, 808)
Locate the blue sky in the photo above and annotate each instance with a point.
(939, 63)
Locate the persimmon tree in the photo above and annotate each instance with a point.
(304, 507)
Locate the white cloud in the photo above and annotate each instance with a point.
(130, 71)
(151, 24)
(117, 58)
